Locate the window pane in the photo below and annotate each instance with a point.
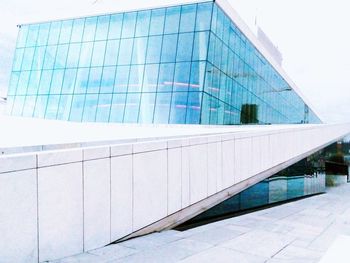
(115, 26)
(136, 78)
(161, 112)
(64, 107)
(169, 48)
(13, 83)
(38, 59)
(172, 20)
(29, 106)
(94, 80)
(90, 107)
(89, 29)
(85, 54)
(23, 83)
(182, 76)
(147, 107)
(66, 31)
(118, 106)
(22, 36)
(45, 82)
(40, 106)
(77, 108)
(57, 80)
(197, 76)
(126, 47)
(61, 56)
(129, 23)
(150, 78)
(102, 27)
(17, 61)
(98, 53)
(178, 107)
(139, 52)
(69, 81)
(32, 35)
(200, 46)
(54, 33)
(132, 107)
(121, 79)
(81, 81)
(43, 34)
(33, 84)
(107, 82)
(188, 18)
(142, 26)
(203, 16)
(193, 107)
(154, 49)
(78, 28)
(166, 77)
(112, 50)
(103, 107)
(52, 107)
(50, 55)
(157, 22)
(28, 58)
(18, 106)
(185, 45)
(73, 55)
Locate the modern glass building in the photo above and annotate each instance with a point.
(180, 64)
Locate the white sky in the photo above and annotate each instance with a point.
(313, 36)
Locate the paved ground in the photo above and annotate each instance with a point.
(300, 232)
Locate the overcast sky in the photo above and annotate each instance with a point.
(313, 36)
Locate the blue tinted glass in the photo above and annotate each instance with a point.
(136, 78)
(200, 46)
(73, 55)
(150, 78)
(121, 79)
(178, 108)
(98, 53)
(94, 80)
(112, 50)
(28, 58)
(193, 107)
(13, 83)
(43, 34)
(85, 54)
(169, 48)
(182, 76)
(57, 80)
(154, 49)
(38, 59)
(66, 31)
(9, 104)
(184, 48)
(61, 56)
(33, 84)
(107, 81)
(129, 23)
(197, 76)
(166, 77)
(147, 107)
(115, 26)
(132, 107)
(172, 20)
(81, 82)
(142, 25)
(50, 56)
(157, 22)
(124, 57)
(139, 51)
(40, 107)
(64, 107)
(90, 107)
(102, 27)
(203, 16)
(188, 18)
(162, 108)
(76, 112)
(45, 82)
(23, 83)
(17, 61)
(18, 106)
(22, 36)
(78, 29)
(54, 33)
(103, 107)
(118, 106)
(52, 107)
(89, 29)
(32, 35)
(29, 106)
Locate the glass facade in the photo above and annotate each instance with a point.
(182, 64)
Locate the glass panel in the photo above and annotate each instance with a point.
(197, 76)
(43, 34)
(90, 108)
(77, 108)
(23, 83)
(182, 76)
(40, 106)
(154, 49)
(22, 36)
(50, 55)
(57, 80)
(121, 79)
(132, 107)
(129, 23)
(18, 106)
(102, 27)
(136, 78)
(126, 47)
(32, 35)
(151, 78)
(17, 61)
(28, 58)
(157, 22)
(38, 59)
(29, 106)
(169, 48)
(118, 106)
(178, 108)
(203, 16)
(52, 107)
(73, 55)
(142, 26)
(115, 26)
(147, 107)
(45, 82)
(66, 31)
(139, 51)
(172, 20)
(188, 18)
(112, 50)
(184, 48)
(161, 112)
(81, 80)
(54, 33)
(94, 80)
(33, 84)
(89, 29)
(13, 83)
(103, 107)
(98, 54)
(78, 29)
(200, 46)
(166, 77)
(194, 107)
(64, 107)
(107, 82)
(61, 56)
(85, 54)
(69, 81)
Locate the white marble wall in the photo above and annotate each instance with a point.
(59, 203)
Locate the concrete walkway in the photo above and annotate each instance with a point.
(300, 231)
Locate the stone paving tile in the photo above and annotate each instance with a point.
(293, 253)
(216, 235)
(114, 251)
(223, 255)
(82, 258)
(192, 245)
